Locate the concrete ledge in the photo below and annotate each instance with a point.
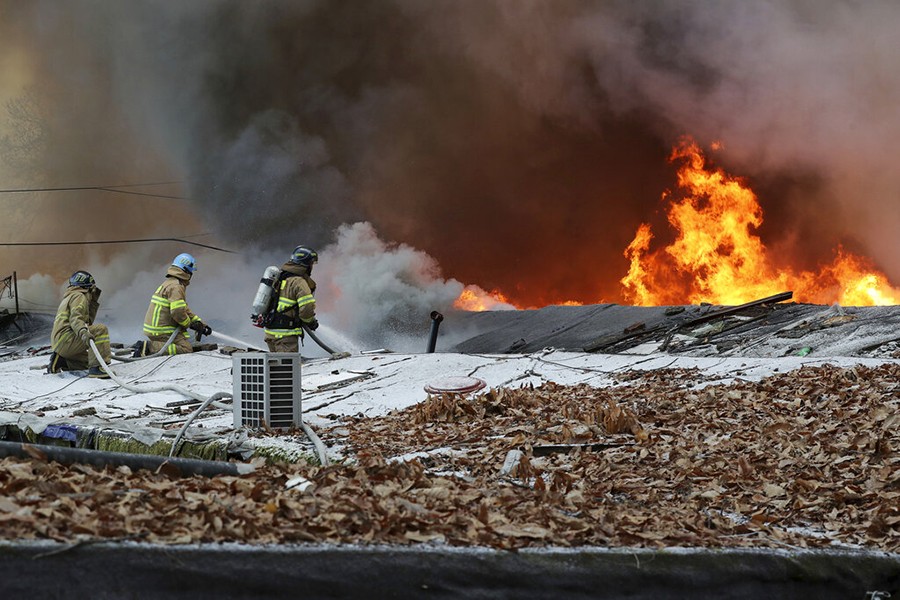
(126, 570)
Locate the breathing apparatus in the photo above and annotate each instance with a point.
(265, 293)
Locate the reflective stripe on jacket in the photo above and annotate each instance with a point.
(168, 308)
(295, 302)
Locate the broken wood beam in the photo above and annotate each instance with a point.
(735, 309)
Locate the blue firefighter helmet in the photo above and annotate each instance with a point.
(185, 262)
(82, 279)
(305, 256)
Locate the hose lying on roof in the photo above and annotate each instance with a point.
(320, 447)
(159, 352)
(149, 389)
(205, 402)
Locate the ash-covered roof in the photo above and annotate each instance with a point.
(768, 330)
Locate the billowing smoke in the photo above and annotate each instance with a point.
(518, 143)
(370, 293)
(384, 292)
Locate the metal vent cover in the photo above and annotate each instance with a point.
(267, 389)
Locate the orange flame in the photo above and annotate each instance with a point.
(474, 298)
(717, 258)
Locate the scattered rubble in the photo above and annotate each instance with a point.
(768, 327)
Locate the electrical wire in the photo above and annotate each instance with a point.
(116, 189)
(129, 241)
(35, 303)
(76, 380)
(167, 197)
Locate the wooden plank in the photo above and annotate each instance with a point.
(735, 309)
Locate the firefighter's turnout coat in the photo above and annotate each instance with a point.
(77, 312)
(295, 305)
(167, 312)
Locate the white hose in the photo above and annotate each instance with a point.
(149, 389)
(157, 353)
(207, 402)
(235, 341)
(320, 447)
(317, 443)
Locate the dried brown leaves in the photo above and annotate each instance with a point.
(806, 458)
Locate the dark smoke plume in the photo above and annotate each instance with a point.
(518, 142)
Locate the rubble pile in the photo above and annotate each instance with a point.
(807, 458)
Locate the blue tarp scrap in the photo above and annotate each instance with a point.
(61, 432)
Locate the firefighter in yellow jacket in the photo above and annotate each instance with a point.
(74, 328)
(169, 311)
(296, 306)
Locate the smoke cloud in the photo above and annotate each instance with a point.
(382, 291)
(516, 143)
(370, 293)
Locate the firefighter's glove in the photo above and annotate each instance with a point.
(312, 325)
(201, 328)
(86, 336)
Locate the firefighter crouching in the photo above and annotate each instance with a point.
(295, 305)
(169, 311)
(74, 328)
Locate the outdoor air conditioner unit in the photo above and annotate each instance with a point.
(267, 389)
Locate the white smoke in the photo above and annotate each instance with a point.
(36, 294)
(370, 293)
(382, 293)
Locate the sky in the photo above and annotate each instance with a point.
(514, 145)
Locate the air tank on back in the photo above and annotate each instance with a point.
(264, 294)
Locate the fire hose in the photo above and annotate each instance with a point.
(148, 389)
(205, 402)
(159, 352)
(316, 339)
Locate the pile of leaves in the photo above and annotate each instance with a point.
(803, 459)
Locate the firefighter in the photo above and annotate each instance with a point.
(74, 328)
(169, 311)
(296, 306)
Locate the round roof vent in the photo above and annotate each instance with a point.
(455, 385)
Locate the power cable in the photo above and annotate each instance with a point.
(105, 189)
(76, 380)
(117, 189)
(130, 241)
